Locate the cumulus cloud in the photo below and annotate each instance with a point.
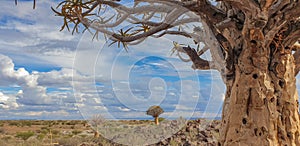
(8, 102)
(37, 33)
(31, 93)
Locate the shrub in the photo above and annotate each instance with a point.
(97, 120)
(45, 129)
(24, 135)
(14, 123)
(173, 143)
(41, 136)
(26, 123)
(160, 119)
(55, 132)
(75, 132)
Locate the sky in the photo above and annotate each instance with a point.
(50, 74)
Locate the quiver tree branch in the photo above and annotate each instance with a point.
(198, 63)
(292, 33)
(174, 14)
(33, 6)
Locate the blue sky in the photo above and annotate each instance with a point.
(48, 74)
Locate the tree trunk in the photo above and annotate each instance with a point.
(156, 120)
(261, 104)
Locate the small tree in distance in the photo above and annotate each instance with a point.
(96, 121)
(155, 111)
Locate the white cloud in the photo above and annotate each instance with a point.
(124, 109)
(8, 101)
(51, 113)
(37, 33)
(32, 93)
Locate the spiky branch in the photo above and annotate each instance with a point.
(271, 17)
(34, 3)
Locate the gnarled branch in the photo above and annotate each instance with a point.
(174, 14)
(198, 63)
(292, 34)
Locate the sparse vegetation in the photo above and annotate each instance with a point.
(41, 136)
(24, 135)
(96, 121)
(39, 133)
(76, 132)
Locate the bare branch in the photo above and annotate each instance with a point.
(278, 5)
(201, 52)
(170, 18)
(281, 13)
(292, 34)
(244, 5)
(175, 13)
(291, 11)
(225, 24)
(205, 8)
(198, 63)
(34, 3)
(173, 33)
(176, 23)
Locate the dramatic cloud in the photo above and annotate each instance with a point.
(8, 102)
(31, 93)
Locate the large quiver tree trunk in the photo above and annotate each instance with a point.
(261, 107)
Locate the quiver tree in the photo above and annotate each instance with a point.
(155, 111)
(253, 44)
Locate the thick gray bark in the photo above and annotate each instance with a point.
(263, 106)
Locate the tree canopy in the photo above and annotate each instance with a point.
(279, 20)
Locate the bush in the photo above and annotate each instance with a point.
(14, 123)
(160, 119)
(55, 132)
(45, 130)
(26, 123)
(24, 135)
(41, 136)
(75, 132)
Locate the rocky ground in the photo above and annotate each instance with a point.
(195, 133)
(198, 132)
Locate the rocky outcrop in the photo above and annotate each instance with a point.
(195, 133)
